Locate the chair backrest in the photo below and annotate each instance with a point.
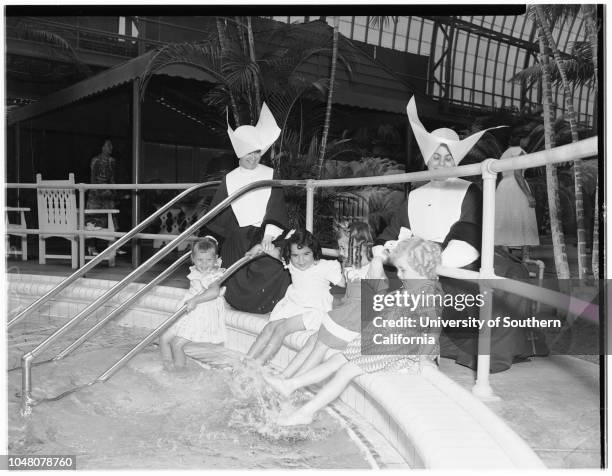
(57, 209)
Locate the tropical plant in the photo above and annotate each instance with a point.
(376, 202)
(275, 73)
(544, 25)
(58, 46)
(330, 93)
(552, 183)
(579, 68)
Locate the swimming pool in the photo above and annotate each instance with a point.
(416, 421)
(219, 417)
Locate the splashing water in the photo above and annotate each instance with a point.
(258, 408)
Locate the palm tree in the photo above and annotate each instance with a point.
(544, 27)
(59, 47)
(221, 35)
(256, 70)
(589, 13)
(552, 182)
(330, 93)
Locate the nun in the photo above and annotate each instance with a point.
(255, 219)
(449, 212)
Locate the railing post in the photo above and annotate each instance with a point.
(482, 388)
(136, 166)
(81, 224)
(310, 188)
(26, 384)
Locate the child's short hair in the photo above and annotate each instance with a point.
(302, 239)
(422, 255)
(205, 244)
(360, 238)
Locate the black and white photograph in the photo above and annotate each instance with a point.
(305, 236)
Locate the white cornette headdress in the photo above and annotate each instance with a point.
(247, 139)
(429, 141)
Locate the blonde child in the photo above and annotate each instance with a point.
(205, 319)
(307, 299)
(416, 261)
(342, 324)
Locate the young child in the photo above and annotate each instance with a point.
(307, 299)
(342, 324)
(205, 319)
(415, 259)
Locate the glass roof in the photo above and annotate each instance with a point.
(485, 52)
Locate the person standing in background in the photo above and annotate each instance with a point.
(102, 168)
(515, 216)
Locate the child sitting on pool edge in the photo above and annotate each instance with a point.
(341, 325)
(205, 319)
(307, 299)
(416, 261)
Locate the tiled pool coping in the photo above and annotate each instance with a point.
(429, 419)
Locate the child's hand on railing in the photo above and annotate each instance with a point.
(191, 304)
(256, 250)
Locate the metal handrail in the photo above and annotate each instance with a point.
(108, 251)
(27, 359)
(124, 304)
(142, 344)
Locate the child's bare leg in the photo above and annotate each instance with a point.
(178, 352)
(262, 339)
(315, 375)
(315, 358)
(165, 349)
(283, 329)
(326, 395)
(300, 357)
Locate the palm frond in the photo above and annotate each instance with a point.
(60, 46)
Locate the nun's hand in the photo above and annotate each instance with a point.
(266, 244)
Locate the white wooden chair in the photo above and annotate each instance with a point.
(57, 217)
(11, 231)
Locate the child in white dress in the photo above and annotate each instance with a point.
(343, 324)
(416, 261)
(205, 319)
(307, 299)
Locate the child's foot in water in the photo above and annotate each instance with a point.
(250, 363)
(168, 365)
(279, 385)
(296, 418)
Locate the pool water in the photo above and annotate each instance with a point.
(221, 416)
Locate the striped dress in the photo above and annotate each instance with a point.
(401, 356)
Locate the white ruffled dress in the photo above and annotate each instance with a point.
(206, 323)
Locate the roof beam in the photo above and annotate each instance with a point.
(486, 32)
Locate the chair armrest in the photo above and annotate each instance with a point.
(98, 211)
(16, 209)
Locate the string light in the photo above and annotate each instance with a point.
(162, 101)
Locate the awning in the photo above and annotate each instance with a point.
(107, 79)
